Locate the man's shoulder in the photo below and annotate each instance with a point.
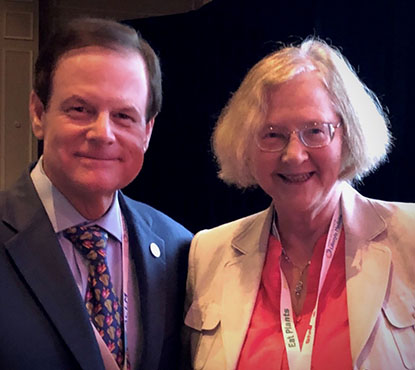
(3, 197)
(159, 221)
(20, 202)
(3, 207)
(19, 211)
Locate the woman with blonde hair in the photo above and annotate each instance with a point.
(324, 278)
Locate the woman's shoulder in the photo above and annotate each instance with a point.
(214, 246)
(396, 213)
(391, 213)
(230, 230)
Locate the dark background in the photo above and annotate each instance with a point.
(205, 55)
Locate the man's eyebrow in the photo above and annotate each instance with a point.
(75, 98)
(121, 106)
(129, 108)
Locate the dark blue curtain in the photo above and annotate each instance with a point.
(205, 55)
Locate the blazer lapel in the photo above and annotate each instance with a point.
(241, 279)
(151, 275)
(40, 260)
(367, 267)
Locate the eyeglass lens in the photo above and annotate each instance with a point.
(275, 138)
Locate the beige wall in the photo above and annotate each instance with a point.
(22, 24)
(18, 48)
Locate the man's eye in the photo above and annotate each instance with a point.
(124, 118)
(79, 109)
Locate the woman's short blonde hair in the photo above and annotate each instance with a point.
(366, 141)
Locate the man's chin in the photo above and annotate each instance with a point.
(98, 188)
(91, 188)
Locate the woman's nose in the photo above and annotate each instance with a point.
(295, 151)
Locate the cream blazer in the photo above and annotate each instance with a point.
(225, 266)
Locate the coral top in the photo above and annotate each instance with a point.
(264, 343)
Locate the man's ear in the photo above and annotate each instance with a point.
(149, 130)
(36, 109)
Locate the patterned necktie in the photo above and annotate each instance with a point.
(101, 301)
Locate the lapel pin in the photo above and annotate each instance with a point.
(155, 250)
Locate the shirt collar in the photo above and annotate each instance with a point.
(62, 214)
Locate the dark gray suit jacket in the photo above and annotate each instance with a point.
(43, 322)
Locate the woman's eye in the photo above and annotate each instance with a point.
(315, 131)
(274, 135)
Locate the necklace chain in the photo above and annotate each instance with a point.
(300, 285)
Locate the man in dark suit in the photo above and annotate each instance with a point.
(96, 94)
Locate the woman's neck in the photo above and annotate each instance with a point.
(300, 230)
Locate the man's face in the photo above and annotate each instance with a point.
(94, 129)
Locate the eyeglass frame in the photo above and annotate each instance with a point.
(332, 130)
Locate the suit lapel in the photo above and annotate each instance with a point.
(241, 279)
(151, 276)
(367, 267)
(39, 259)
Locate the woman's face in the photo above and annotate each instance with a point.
(299, 178)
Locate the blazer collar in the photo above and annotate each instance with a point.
(360, 217)
(37, 255)
(368, 262)
(241, 279)
(253, 232)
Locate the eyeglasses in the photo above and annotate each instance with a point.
(271, 138)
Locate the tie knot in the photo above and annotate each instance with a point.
(90, 240)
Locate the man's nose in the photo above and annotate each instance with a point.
(295, 151)
(101, 129)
